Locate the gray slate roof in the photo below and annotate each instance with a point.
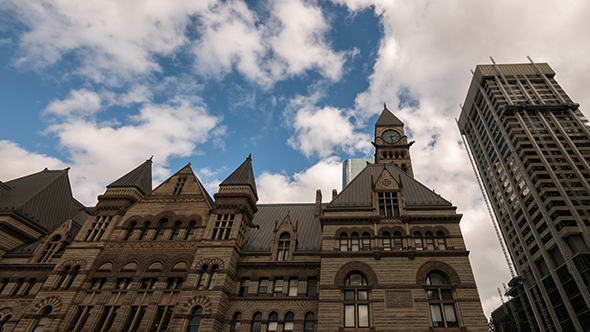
(388, 119)
(140, 177)
(309, 231)
(44, 197)
(358, 192)
(243, 175)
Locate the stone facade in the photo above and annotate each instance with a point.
(386, 254)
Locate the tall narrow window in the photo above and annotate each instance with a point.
(179, 185)
(440, 300)
(283, 249)
(256, 322)
(71, 277)
(354, 242)
(293, 286)
(366, 241)
(213, 277)
(195, 319)
(263, 287)
(62, 276)
(273, 322)
(289, 318)
(203, 277)
(312, 287)
(43, 319)
(130, 231)
(175, 231)
(191, 230)
(244, 287)
(4, 321)
(356, 301)
(17, 286)
(80, 318)
(108, 317)
(388, 205)
(440, 240)
(134, 319)
(236, 322)
(160, 230)
(278, 288)
(50, 249)
(429, 241)
(343, 242)
(162, 319)
(223, 226)
(30, 285)
(386, 241)
(144, 230)
(309, 325)
(397, 241)
(418, 241)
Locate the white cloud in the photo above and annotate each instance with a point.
(301, 187)
(16, 161)
(79, 102)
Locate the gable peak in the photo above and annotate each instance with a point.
(140, 178)
(387, 118)
(243, 175)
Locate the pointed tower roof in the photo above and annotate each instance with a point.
(243, 175)
(140, 177)
(388, 119)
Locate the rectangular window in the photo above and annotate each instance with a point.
(245, 285)
(388, 205)
(223, 226)
(97, 228)
(293, 285)
(349, 315)
(80, 318)
(162, 319)
(179, 185)
(312, 287)
(278, 287)
(108, 317)
(263, 287)
(133, 321)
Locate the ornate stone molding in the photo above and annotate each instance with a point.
(438, 266)
(355, 266)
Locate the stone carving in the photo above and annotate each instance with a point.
(399, 299)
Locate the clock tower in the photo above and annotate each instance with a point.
(391, 143)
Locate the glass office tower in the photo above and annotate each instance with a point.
(531, 147)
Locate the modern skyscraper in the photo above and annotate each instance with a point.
(531, 146)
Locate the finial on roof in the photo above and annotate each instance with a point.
(151, 160)
(384, 106)
(249, 156)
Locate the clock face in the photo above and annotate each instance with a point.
(391, 136)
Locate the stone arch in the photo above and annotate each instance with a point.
(53, 301)
(72, 263)
(105, 267)
(355, 266)
(11, 307)
(180, 266)
(156, 266)
(209, 262)
(203, 301)
(197, 218)
(130, 267)
(391, 230)
(437, 266)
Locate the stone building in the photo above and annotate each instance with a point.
(385, 254)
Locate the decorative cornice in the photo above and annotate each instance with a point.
(28, 266)
(272, 265)
(378, 254)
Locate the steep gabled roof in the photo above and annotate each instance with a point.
(140, 177)
(358, 192)
(243, 175)
(309, 228)
(44, 197)
(388, 119)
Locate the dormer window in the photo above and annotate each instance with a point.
(283, 249)
(388, 205)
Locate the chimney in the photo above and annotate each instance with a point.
(334, 193)
(318, 202)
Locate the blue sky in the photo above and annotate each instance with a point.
(100, 86)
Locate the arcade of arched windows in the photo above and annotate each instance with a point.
(393, 238)
(273, 321)
(166, 228)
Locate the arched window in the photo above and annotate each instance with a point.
(195, 319)
(397, 241)
(343, 242)
(429, 241)
(256, 322)
(175, 231)
(71, 277)
(289, 325)
(43, 319)
(273, 322)
(203, 278)
(354, 242)
(386, 241)
(440, 240)
(418, 241)
(356, 301)
(236, 322)
(366, 241)
(50, 249)
(144, 230)
(283, 249)
(130, 231)
(4, 320)
(309, 325)
(440, 300)
(160, 230)
(213, 276)
(191, 230)
(62, 276)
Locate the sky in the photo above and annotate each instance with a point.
(101, 86)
